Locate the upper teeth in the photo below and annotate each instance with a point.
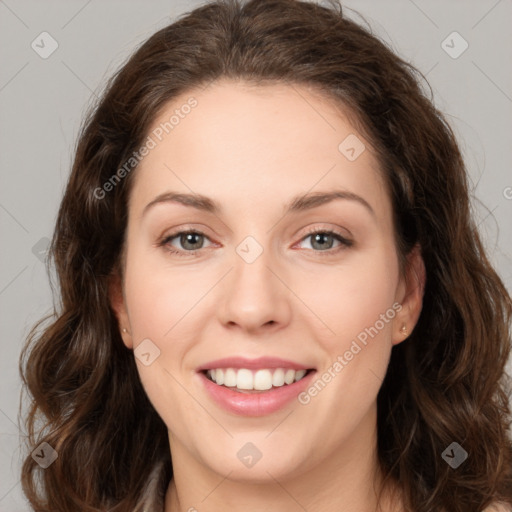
(258, 379)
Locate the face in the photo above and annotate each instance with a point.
(287, 281)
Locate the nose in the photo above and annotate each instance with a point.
(254, 297)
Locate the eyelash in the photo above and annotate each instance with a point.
(345, 243)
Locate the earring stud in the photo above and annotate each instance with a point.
(404, 330)
(124, 329)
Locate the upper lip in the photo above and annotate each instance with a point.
(253, 364)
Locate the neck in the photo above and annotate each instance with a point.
(349, 480)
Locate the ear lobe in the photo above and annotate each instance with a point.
(412, 301)
(118, 304)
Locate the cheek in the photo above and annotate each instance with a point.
(356, 302)
(158, 300)
(352, 297)
(158, 296)
(167, 305)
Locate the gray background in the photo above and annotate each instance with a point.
(42, 102)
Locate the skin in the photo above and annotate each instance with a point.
(252, 149)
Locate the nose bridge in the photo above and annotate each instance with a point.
(253, 296)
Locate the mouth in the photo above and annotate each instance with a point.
(252, 381)
(254, 387)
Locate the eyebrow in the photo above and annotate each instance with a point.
(299, 203)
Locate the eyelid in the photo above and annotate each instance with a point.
(183, 229)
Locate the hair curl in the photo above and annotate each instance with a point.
(446, 383)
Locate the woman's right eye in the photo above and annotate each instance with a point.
(186, 239)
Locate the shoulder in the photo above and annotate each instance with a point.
(498, 507)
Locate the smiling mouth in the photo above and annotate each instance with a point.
(244, 380)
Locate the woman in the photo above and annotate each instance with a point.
(273, 296)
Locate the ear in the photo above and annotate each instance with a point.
(118, 304)
(410, 295)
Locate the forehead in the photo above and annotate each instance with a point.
(260, 142)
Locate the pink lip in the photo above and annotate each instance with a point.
(253, 364)
(255, 404)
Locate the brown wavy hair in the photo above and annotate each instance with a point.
(446, 383)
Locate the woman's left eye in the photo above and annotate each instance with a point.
(324, 240)
(192, 241)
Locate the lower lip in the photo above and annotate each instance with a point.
(255, 404)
